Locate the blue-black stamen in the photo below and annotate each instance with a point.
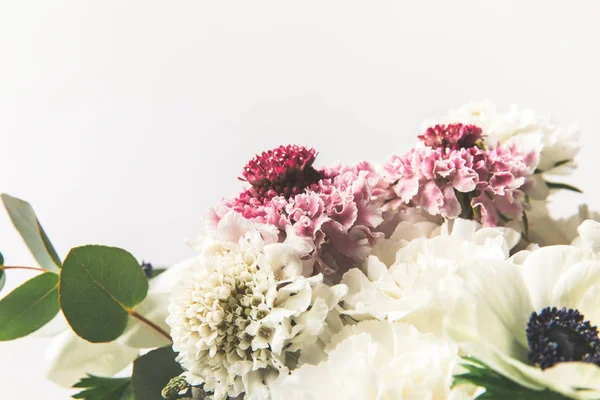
(556, 336)
(147, 268)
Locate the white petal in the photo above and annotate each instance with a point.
(53, 328)
(590, 234)
(502, 307)
(543, 267)
(71, 358)
(168, 280)
(138, 334)
(574, 283)
(576, 375)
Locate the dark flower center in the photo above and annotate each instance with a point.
(556, 336)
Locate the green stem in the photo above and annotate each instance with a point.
(151, 324)
(21, 267)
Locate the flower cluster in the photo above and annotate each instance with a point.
(238, 319)
(439, 274)
(453, 177)
(337, 208)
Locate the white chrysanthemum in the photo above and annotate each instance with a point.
(535, 322)
(421, 284)
(376, 360)
(236, 325)
(556, 147)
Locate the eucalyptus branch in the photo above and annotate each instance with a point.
(22, 267)
(151, 324)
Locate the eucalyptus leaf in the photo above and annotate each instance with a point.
(29, 307)
(25, 221)
(153, 371)
(99, 287)
(100, 388)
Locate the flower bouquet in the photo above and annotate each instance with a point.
(438, 274)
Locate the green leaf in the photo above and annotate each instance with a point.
(26, 222)
(156, 272)
(153, 371)
(499, 387)
(554, 185)
(29, 307)
(556, 164)
(99, 286)
(99, 388)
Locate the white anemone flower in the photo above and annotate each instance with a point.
(535, 323)
(245, 312)
(421, 285)
(376, 360)
(71, 358)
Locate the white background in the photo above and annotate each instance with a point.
(122, 121)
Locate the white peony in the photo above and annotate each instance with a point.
(534, 322)
(376, 360)
(421, 285)
(245, 311)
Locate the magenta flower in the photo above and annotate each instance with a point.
(452, 136)
(284, 171)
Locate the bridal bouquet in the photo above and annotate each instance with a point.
(437, 274)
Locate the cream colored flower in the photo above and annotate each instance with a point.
(421, 286)
(536, 321)
(376, 360)
(242, 316)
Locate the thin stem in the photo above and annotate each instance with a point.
(151, 324)
(21, 267)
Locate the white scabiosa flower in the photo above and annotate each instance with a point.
(421, 285)
(240, 317)
(376, 360)
(535, 323)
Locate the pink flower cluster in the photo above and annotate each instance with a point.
(452, 177)
(339, 211)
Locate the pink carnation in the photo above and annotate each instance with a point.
(338, 208)
(452, 180)
(429, 178)
(500, 196)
